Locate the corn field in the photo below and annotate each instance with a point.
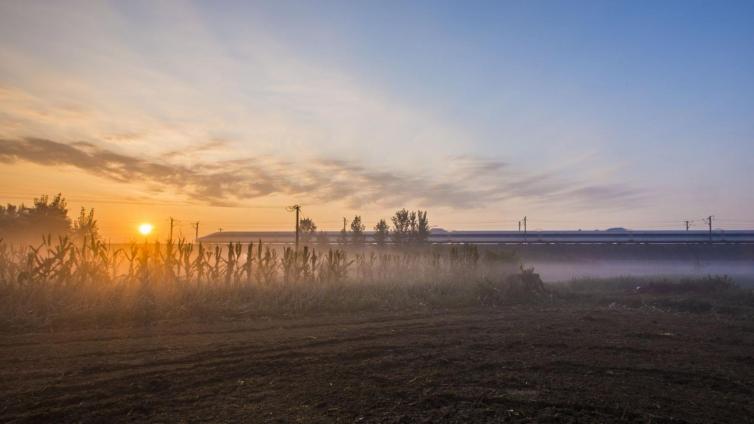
(62, 282)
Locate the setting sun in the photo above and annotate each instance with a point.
(145, 229)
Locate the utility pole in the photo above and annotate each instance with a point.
(687, 225)
(709, 221)
(343, 239)
(524, 229)
(298, 211)
(172, 221)
(296, 208)
(519, 225)
(196, 232)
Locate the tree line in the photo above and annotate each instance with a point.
(21, 223)
(408, 228)
(49, 216)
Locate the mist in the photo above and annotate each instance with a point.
(741, 271)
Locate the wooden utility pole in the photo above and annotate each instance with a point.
(297, 209)
(524, 229)
(172, 221)
(687, 225)
(709, 221)
(196, 232)
(344, 233)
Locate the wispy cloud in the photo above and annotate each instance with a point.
(473, 183)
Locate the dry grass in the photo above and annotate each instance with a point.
(60, 283)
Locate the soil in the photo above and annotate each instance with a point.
(513, 364)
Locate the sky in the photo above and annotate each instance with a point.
(578, 115)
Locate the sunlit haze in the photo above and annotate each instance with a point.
(145, 229)
(578, 115)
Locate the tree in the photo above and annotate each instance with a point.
(85, 225)
(308, 229)
(410, 227)
(381, 232)
(10, 216)
(357, 231)
(401, 227)
(422, 227)
(49, 217)
(25, 224)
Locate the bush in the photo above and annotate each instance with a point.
(526, 286)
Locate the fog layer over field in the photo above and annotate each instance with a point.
(742, 271)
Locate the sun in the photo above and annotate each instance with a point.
(145, 228)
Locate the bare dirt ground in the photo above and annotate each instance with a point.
(515, 364)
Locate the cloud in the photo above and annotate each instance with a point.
(471, 184)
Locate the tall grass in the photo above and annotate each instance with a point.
(59, 282)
